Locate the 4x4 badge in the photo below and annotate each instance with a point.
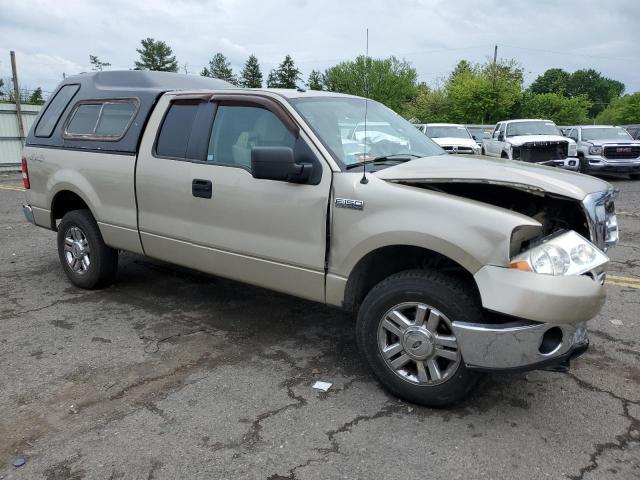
(349, 203)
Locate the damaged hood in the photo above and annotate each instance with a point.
(500, 171)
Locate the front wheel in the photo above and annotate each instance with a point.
(404, 330)
(88, 262)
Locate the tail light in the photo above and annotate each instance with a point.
(25, 174)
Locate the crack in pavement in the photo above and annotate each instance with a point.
(631, 435)
(386, 411)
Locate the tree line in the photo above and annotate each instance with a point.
(482, 93)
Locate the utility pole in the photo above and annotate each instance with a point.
(16, 94)
(495, 54)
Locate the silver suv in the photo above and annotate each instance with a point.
(605, 148)
(454, 265)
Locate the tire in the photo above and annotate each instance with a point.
(504, 155)
(443, 295)
(482, 152)
(86, 259)
(582, 165)
(635, 176)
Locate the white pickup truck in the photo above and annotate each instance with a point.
(455, 265)
(532, 141)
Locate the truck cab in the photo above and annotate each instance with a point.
(453, 265)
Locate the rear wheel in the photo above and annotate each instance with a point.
(86, 259)
(404, 330)
(635, 176)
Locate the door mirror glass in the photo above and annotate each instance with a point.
(277, 163)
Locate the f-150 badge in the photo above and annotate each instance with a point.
(349, 203)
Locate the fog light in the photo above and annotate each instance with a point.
(551, 341)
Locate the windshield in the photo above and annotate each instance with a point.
(447, 131)
(532, 128)
(605, 133)
(387, 133)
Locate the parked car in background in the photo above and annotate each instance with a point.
(453, 138)
(634, 131)
(480, 132)
(532, 141)
(455, 266)
(605, 148)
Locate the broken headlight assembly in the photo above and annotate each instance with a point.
(567, 253)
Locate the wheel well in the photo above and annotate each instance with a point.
(385, 261)
(504, 155)
(64, 202)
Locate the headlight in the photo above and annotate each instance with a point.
(573, 150)
(477, 150)
(565, 254)
(595, 150)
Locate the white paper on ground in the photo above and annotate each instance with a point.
(324, 386)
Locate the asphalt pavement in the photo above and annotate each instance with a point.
(170, 373)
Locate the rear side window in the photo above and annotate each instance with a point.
(101, 120)
(173, 139)
(54, 110)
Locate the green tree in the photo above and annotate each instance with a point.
(220, 67)
(389, 81)
(285, 76)
(315, 80)
(156, 55)
(486, 93)
(97, 64)
(36, 97)
(462, 68)
(554, 80)
(251, 76)
(600, 90)
(429, 105)
(560, 109)
(621, 111)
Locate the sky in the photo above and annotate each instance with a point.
(51, 37)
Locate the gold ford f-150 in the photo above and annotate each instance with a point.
(455, 265)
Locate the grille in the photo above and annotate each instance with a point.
(544, 151)
(451, 149)
(620, 152)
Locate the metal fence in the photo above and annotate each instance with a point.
(10, 140)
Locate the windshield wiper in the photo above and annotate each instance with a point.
(396, 157)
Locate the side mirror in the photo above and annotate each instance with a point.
(474, 137)
(277, 163)
(501, 137)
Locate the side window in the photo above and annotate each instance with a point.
(173, 138)
(495, 132)
(102, 120)
(237, 129)
(573, 134)
(55, 107)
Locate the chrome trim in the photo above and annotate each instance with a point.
(28, 213)
(513, 345)
(599, 208)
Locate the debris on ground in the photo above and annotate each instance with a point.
(18, 462)
(616, 322)
(73, 409)
(322, 386)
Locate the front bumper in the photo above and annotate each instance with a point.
(597, 163)
(541, 298)
(519, 345)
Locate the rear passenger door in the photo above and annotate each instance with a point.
(206, 210)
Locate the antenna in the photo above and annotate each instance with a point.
(364, 180)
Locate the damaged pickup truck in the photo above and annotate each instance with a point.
(455, 266)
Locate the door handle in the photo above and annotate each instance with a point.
(201, 188)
